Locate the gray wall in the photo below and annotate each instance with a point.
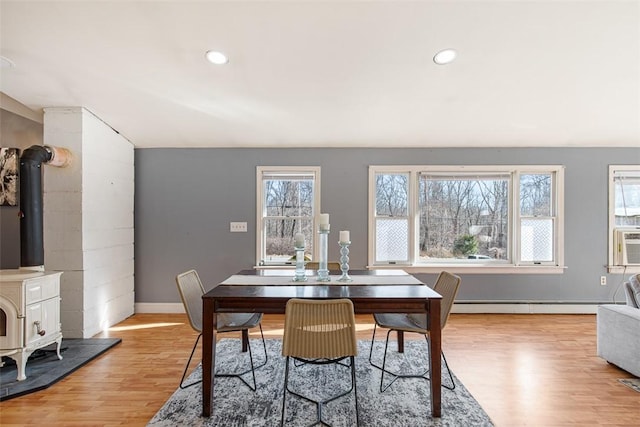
(185, 199)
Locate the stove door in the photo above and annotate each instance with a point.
(11, 327)
(42, 322)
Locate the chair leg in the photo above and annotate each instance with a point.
(186, 368)
(446, 365)
(453, 384)
(253, 370)
(284, 393)
(373, 337)
(395, 375)
(240, 374)
(384, 364)
(355, 388)
(319, 404)
(264, 346)
(384, 360)
(253, 367)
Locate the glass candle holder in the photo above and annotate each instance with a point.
(323, 238)
(344, 262)
(300, 275)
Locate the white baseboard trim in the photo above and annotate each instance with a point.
(162, 307)
(465, 307)
(523, 308)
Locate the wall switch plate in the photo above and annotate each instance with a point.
(603, 280)
(238, 227)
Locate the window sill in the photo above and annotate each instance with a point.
(275, 267)
(621, 269)
(475, 269)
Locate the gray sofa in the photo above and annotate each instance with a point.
(618, 330)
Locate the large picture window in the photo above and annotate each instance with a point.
(288, 199)
(466, 216)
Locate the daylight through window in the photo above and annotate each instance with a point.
(287, 200)
(465, 215)
(624, 218)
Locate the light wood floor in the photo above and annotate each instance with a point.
(533, 370)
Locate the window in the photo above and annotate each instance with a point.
(624, 216)
(625, 181)
(466, 216)
(287, 201)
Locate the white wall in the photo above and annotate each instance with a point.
(88, 214)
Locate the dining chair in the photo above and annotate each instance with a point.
(447, 286)
(319, 332)
(191, 292)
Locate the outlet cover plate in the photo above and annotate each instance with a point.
(238, 227)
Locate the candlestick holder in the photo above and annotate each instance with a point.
(300, 275)
(344, 262)
(323, 271)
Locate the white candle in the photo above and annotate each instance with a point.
(344, 236)
(323, 221)
(299, 240)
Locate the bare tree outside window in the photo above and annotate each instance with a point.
(288, 210)
(536, 217)
(506, 217)
(535, 194)
(463, 217)
(391, 195)
(392, 217)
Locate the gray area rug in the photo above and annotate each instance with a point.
(632, 383)
(405, 403)
(45, 369)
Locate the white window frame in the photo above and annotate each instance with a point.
(611, 267)
(514, 265)
(261, 209)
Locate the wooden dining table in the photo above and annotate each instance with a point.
(371, 291)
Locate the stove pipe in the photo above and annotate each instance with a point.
(31, 212)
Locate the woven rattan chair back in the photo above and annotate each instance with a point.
(446, 285)
(319, 329)
(191, 291)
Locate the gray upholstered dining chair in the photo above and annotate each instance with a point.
(447, 286)
(319, 332)
(191, 291)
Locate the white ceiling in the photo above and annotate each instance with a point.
(334, 73)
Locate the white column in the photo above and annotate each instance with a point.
(88, 218)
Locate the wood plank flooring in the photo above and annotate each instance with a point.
(525, 370)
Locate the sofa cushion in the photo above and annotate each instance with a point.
(618, 336)
(634, 289)
(628, 292)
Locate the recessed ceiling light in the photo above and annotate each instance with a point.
(6, 62)
(445, 56)
(216, 57)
